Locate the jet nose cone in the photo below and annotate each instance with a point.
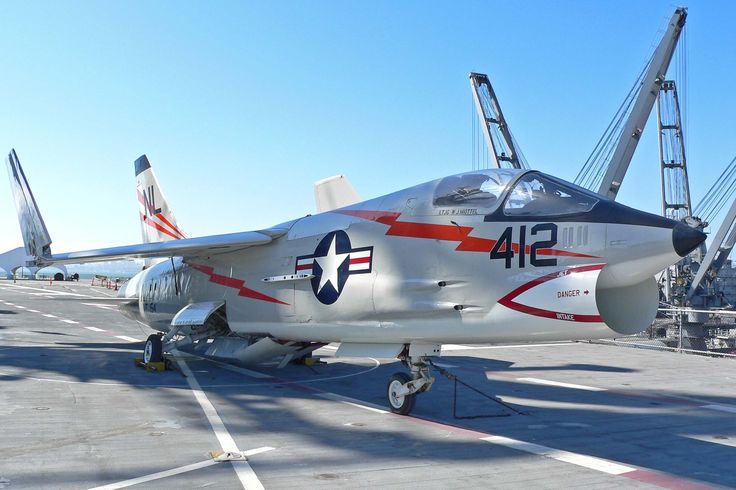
(685, 239)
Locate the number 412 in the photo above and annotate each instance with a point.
(504, 247)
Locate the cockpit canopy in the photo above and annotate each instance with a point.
(481, 189)
(522, 193)
(537, 194)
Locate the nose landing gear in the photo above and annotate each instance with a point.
(402, 389)
(401, 404)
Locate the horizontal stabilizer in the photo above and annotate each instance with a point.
(333, 193)
(35, 235)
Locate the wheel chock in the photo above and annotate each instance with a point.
(152, 366)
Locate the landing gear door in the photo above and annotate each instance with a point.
(196, 314)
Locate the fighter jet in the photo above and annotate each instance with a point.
(489, 256)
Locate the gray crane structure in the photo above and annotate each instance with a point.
(500, 143)
(606, 167)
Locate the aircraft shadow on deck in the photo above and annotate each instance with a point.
(263, 406)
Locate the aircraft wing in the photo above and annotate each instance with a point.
(38, 243)
(189, 247)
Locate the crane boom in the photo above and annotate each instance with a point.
(643, 107)
(500, 143)
(723, 242)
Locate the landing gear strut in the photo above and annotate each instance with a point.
(402, 388)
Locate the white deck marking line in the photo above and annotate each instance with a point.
(720, 408)
(33, 311)
(104, 306)
(49, 315)
(224, 365)
(561, 384)
(127, 339)
(157, 476)
(94, 329)
(9, 304)
(590, 462)
(246, 475)
(21, 307)
(454, 347)
(52, 292)
(725, 441)
(258, 450)
(71, 322)
(352, 402)
(176, 471)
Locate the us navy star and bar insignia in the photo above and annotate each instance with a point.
(332, 263)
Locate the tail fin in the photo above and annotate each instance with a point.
(35, 235)
(158, 223)
(334, 192)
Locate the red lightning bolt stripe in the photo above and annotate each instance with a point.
(231, 282)
(451, 233)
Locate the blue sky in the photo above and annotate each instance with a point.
(241, 106)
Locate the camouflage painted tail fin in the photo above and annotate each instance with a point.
(36, 237)
(158, 223)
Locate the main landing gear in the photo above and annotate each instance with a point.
(154, 349)
(402, 388)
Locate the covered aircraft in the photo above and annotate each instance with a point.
(487, 256)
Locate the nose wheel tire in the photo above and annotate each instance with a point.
(153, 351)
(400, 404)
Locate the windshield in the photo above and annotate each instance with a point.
(475, 189)
(540, 195)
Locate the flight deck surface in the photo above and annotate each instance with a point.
(76, 413)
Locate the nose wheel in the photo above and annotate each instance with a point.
(402, 389)
(401, 404)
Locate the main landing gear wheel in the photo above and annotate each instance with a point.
(401, 404)
(153, 351)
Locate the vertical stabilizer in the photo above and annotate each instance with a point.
(333, 193)
(35, 235)
(158, 223)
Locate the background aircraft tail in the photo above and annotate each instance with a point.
(36, 237)
(158, 223)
